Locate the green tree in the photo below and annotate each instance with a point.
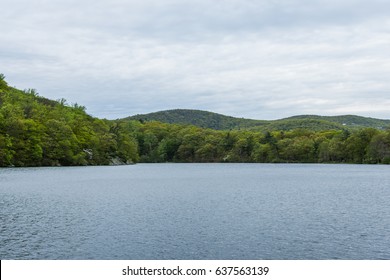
(167, 149)
(6, 151)
(378, 150)
(357, 144)
(59, 143)
(298, 146)
(211, 149)
(3, 83)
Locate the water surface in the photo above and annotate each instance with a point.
(196, 211)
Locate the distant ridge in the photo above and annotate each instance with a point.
(348, 120)
(199, 118)
(206, 119)
(36, 131)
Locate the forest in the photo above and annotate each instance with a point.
(36, 131)
(216, 121)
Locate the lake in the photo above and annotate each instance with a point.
(196, 211)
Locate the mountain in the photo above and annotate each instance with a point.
(348, 120)
(216, 121)
(199, 118)
(36, 131)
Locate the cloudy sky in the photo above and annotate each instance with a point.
(262, 59)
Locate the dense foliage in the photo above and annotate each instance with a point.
(349, 121)
(160, 142)
(198, 118)
(220, 122)
(35, 131)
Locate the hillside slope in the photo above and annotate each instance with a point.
(211, 120)
(35, 131)
(347, 120)
(199, 118)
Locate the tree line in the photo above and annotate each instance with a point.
(159, 142)
(35, 131)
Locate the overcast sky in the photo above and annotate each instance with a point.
(264, 59)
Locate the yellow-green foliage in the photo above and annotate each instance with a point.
(35, 131)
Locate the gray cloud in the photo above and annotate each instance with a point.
(259, 59)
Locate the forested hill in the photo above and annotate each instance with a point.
(36, 131)
(221, 122)
(347, 120)
(199, 118)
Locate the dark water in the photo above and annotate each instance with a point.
(196, 211)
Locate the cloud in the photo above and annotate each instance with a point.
(258, 59)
